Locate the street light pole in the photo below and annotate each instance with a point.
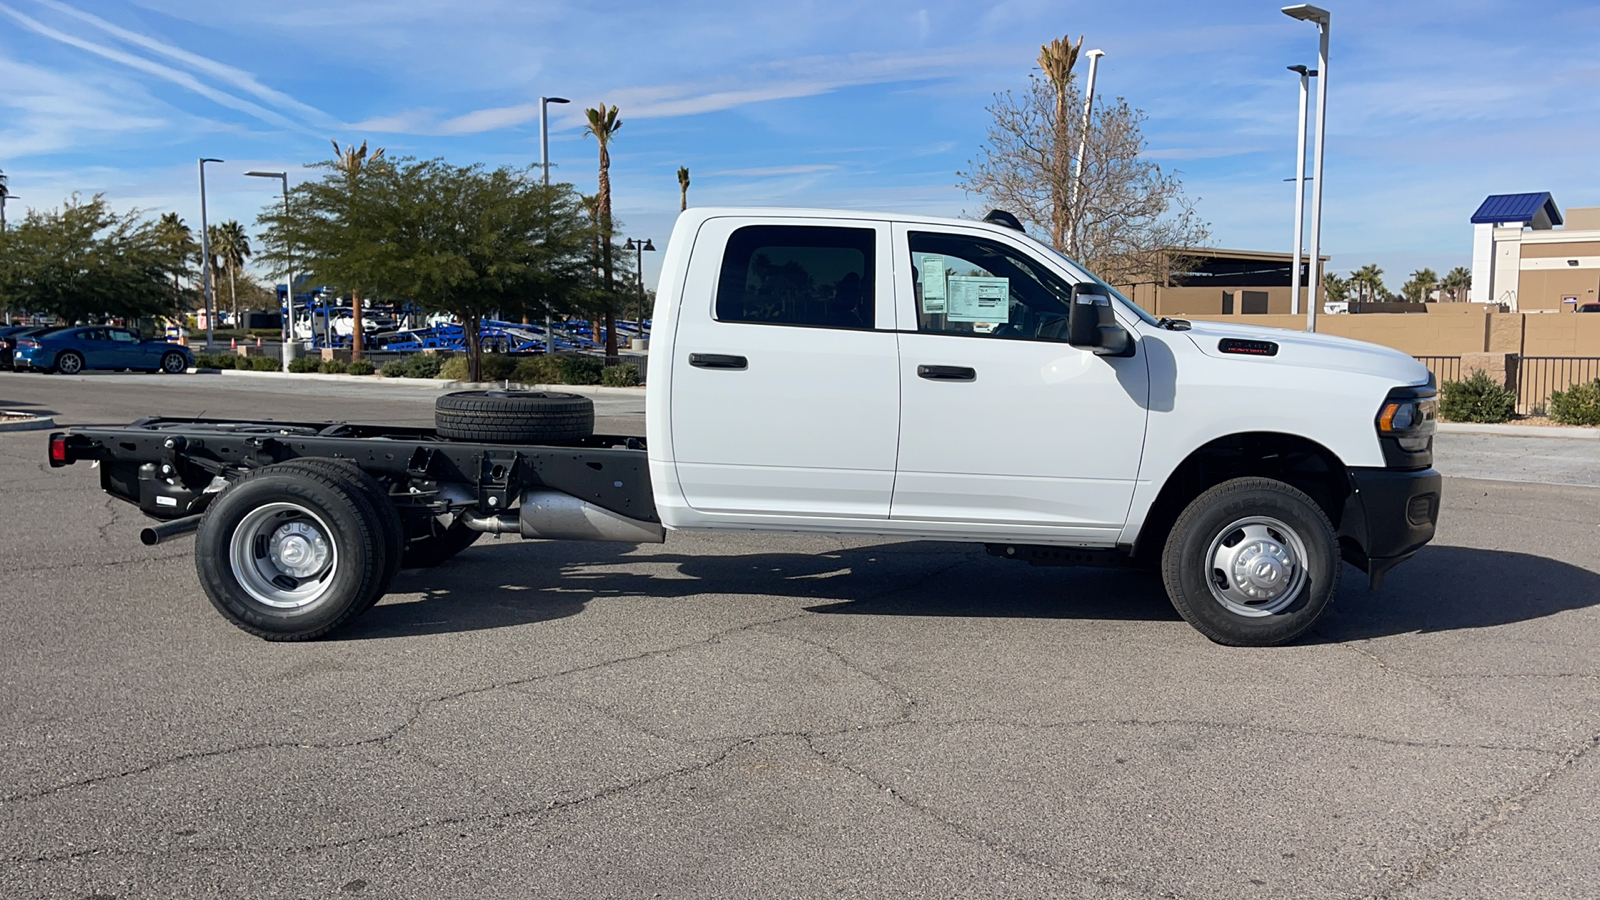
(1299, 188)
(4, 199)
(544, 134)
(1308, 13)
(1083, 146)
(205, 247)
(288, 277)
(640, 247)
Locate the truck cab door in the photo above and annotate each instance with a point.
(1006, 429)
(785, 385)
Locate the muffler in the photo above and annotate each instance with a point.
(554, 516)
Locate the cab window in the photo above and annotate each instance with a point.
(978, 287)
(806, 275)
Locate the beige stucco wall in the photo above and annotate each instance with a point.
(1575, 335)
(1582, 217)
(1545, 288)
(1207, 301)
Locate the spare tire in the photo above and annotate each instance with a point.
(513, 417)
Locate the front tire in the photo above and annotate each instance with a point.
(288, 553)
(174, 364)
(1251, 562)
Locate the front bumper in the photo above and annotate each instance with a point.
(1389, 515)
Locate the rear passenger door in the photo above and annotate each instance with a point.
(785, 386)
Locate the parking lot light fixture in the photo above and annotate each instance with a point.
(1299, 189)
(205, 247)
(544, 134)
(639, 247)
(288, 278)
(1305, 12)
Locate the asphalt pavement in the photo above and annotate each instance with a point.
(786, 716)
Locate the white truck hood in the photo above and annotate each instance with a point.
(1317, 351)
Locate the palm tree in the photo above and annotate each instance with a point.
(231, 245)
(1457, 282)
(6, 192)
(1368, 281)
(176, 240)
(683, 188)
(603, 124)
(1420, 288)
(351, 161)
(1057, 59)
(1334, 288)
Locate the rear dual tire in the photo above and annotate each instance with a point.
(293, 551)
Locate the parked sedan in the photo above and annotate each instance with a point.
(9, 336)
(71, 350)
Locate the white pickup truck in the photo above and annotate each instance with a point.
(852, 374)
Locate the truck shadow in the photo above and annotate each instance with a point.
(1442, 589)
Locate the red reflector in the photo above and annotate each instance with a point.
(58, 449)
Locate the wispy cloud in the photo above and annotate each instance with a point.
(771, 171)
(150, 67)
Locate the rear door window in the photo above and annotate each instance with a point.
(798, 275)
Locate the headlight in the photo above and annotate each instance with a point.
(1410, 415)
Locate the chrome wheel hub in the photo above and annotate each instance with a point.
(282, 556)
(1256, 566)
(299, 549)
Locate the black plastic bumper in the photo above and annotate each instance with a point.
(1389, 515)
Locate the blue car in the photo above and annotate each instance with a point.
(71, 350)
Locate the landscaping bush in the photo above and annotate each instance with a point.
(454, 369)
(1477, 399)
(362, 367)
(1577, 405)
(574, 369)
(492, 367)
(305, 364)
(204, 361)
(332, 367)
(223, 361)
(264, 363)
(620, 376)
(417, 365)
(537, 370)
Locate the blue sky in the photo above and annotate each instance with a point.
(1432, 105)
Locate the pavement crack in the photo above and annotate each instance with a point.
(1504, 810)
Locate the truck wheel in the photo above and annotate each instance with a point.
(430, 550)
(68, 363)
(289, 553)
(382, 511)
(513, 417)
(1252, 562)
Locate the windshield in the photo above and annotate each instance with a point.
(1079, 269)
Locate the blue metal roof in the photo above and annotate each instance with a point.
(1516, 208)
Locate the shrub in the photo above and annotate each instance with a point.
(332, 367)
(265, 364)
(1577, 405)
(574, 369)
(417, 365)
(620, 376)
(204, 361)
(454, 369)
(536, 370)
(224, 361)
(362, 367)
(1477, 399)
(305, 364)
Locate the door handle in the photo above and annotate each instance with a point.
(947, 373)
(717, 361)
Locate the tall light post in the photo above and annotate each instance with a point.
(1299, 187)
(205, 247)
(639, 247)
(544, 133)
(288, 278)
(1083, 146)
(4, 199)
(1305, 12)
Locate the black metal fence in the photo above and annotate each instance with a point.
(1540, 376)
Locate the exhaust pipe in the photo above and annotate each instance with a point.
(166, 531)
(551, 515)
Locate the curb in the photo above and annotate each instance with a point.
(1559, 432)
(37, 423)
(434, 383)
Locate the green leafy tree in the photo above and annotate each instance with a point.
(85, 262)
(1421, 286)
(1334, 288)
(1368, 283)
(350, 163)
(461, 240)
(178, 248)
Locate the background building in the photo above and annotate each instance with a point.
(1522, 259)
(1209, 281)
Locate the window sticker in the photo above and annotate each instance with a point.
(979, 299)
(933, 292)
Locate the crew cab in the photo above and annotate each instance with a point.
(853, 374)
